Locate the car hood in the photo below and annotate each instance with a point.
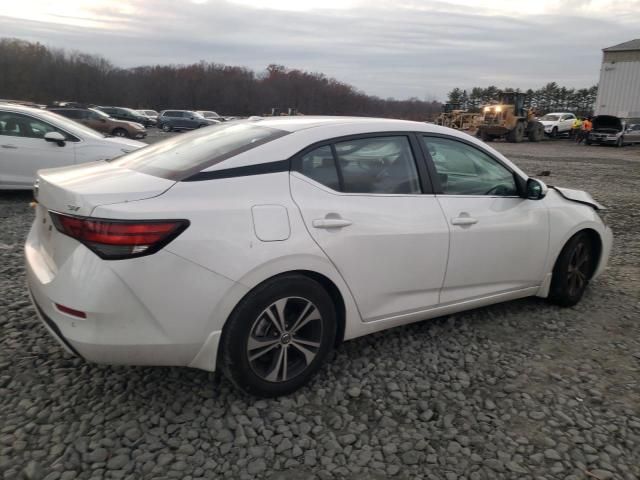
(579, 196)
(125, 143)
(607, 122)
(127, 123)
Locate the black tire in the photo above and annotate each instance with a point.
(166, 127)
(554, 132)
(254, 322)
(587, 141)
(120, 132)
(620, 142)
(536, 132)
(517, 134)
(572, 271)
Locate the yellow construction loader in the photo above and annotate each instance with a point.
(510, 120)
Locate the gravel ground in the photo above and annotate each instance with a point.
(522, 390)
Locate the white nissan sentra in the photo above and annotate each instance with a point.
(255, 247)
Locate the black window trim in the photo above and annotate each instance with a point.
(424, 178)
(521, 183)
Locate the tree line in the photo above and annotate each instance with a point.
(550, 98)
(34, 72)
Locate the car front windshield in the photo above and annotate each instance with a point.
(550, 118)
(180, 157)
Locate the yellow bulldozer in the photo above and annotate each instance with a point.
(453, 116)
(509, 119)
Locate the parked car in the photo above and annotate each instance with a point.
(128, 115)
(610, 130)
(31, 139)
(152, 114)
(100, 121)
(182, 120)
(256, 246)
(557, 123)
(208, 114)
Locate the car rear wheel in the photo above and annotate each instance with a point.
(120, 132)
(572, 271)
(278, 336)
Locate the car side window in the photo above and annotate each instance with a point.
(466, 170)
(18, 125)
(320, 166)
(379, 165)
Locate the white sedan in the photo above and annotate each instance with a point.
(31, 139)
(255, 247)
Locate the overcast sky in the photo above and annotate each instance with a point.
(389, 48)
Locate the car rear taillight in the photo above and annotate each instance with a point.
(119, 239)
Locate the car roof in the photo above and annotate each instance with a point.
(559, 113)
(294, 124)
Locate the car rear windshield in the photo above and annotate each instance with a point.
(182, 156)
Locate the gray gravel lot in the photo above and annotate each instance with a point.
(522, 390)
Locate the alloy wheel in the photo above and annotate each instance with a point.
(284, 339)
(578, 269)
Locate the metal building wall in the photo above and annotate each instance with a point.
(619, 87)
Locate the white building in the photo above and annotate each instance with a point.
(619, 87)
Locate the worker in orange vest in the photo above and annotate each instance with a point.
(586, 128)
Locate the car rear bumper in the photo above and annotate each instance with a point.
(165, 320)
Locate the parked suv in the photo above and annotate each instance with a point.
(182, 120)
(557, 123)
(128, 114)
(610, 130)
(102, 122)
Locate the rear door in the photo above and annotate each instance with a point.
(632, 130)
(567, 122)
(23, 150)
(498, 239)
(368, 205)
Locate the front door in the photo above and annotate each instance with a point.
(365, 205)
(499, 240)
(23, 149)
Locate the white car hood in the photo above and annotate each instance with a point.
(579, 196)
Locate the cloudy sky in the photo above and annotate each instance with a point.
(400, 48)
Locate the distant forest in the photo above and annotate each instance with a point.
(550, 98)
(31, 71)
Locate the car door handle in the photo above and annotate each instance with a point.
(8, 146)
(464, 220)
(331, 222)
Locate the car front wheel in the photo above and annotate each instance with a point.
(166, 127)
(278, 336)
(572, 271)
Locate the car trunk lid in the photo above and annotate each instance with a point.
(78, 190)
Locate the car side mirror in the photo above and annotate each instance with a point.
(56, 137)
(536, 189)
